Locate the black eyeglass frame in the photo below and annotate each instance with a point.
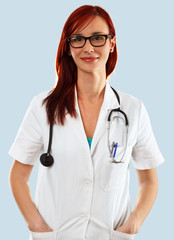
(102, 35)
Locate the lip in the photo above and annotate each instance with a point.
(89, 59)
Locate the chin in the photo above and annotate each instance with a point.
(91, 69)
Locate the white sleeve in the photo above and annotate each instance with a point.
(28, 142)
(145, 153)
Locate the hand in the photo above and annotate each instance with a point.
(125, 229)
(43, 227)
(129, 227)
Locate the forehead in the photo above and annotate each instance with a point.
(98, 24)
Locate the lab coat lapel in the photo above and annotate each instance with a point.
(76, 125)
(110, 102)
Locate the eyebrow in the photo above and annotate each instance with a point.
(97, 33)
(94, 33)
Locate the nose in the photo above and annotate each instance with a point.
(88, 47)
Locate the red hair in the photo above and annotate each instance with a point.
(62, 97)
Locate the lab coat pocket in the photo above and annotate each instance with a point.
(113, 174)
(122, 236)
(43, 235)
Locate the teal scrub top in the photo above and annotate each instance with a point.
(89, 141)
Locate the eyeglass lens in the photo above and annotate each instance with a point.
(79, 41)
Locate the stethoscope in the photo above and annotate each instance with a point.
(114, 145)
(47, 160)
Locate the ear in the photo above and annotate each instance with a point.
(113, 42)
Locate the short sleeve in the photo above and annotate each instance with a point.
(145, 153)
(28, 142)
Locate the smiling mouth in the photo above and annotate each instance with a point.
(89, 59)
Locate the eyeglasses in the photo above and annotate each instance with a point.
(95, 40)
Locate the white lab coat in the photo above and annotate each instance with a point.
(83, 195)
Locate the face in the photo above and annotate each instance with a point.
(90, 58)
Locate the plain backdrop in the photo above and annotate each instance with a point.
(30, 32)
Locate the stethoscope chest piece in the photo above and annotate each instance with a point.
(46, 160)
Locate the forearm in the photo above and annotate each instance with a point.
(22, 195)
(147, 193)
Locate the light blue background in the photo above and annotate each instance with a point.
(30, 32)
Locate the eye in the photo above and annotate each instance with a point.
(97, 38)
(77, 39)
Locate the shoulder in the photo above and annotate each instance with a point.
(130, 103)
(128, 98)
(36, 104)
(38, 99)
(41, 96)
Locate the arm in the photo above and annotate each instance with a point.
(147, 192)
(19, 177)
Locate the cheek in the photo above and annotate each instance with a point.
(105, 51)
(75, 55)
(106, 55)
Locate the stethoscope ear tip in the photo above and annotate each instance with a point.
(46, 160)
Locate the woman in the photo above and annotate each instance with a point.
(84, 194)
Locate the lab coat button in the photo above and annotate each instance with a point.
(88, 183)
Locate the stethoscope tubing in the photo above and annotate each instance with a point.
(47, 160)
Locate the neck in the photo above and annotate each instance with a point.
(91, 86)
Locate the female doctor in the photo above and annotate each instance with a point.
(84, 192)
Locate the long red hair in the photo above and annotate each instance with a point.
(62, 97)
